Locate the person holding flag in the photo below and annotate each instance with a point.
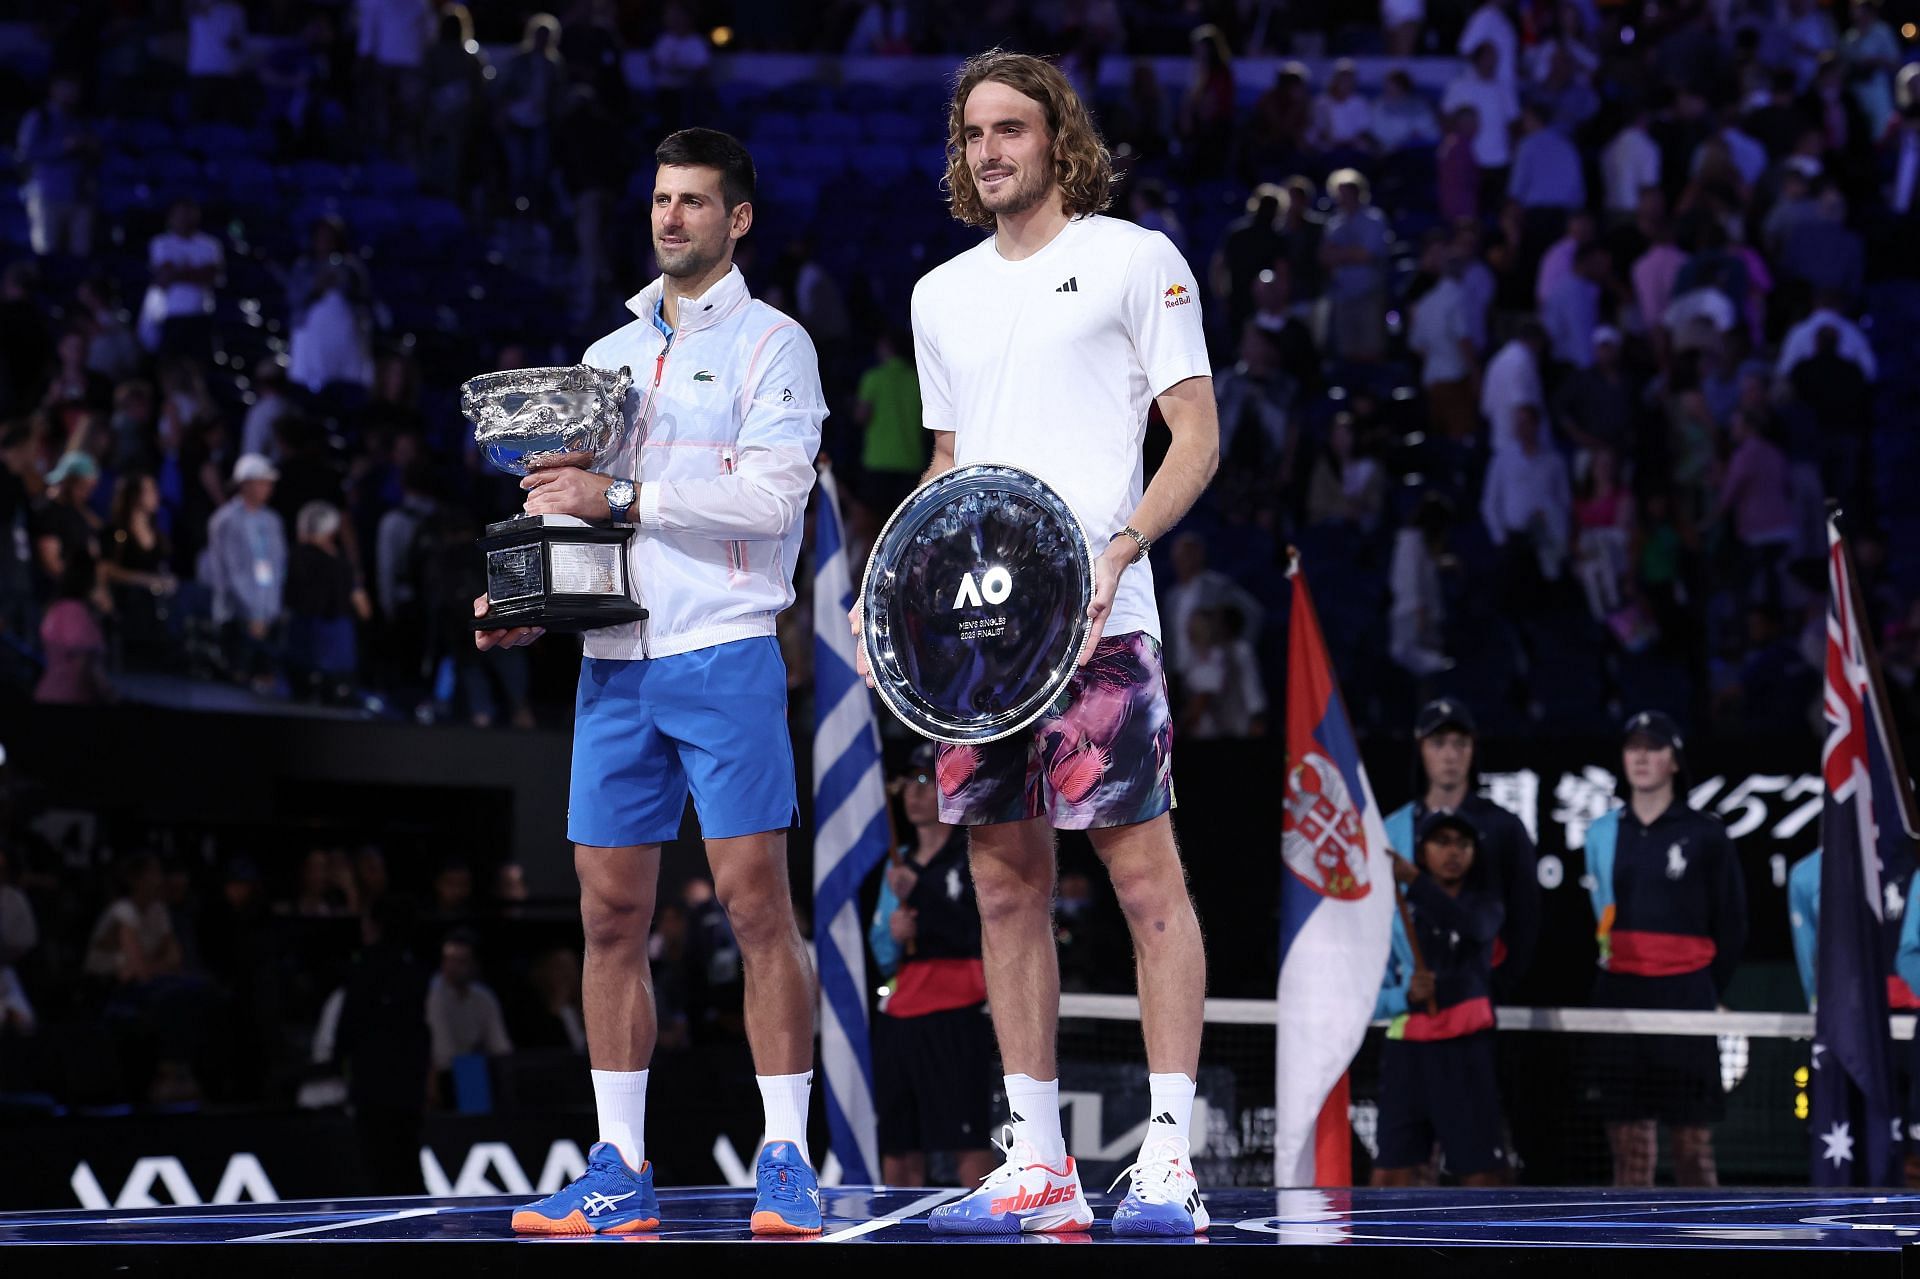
(1868, 831)
(1437, 1070)
(1671, 911)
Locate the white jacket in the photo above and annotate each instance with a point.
(723, 424)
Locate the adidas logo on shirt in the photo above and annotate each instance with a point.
(1164, 1117)
(1071, 286)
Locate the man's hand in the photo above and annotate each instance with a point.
(1106, 581)
(1404, 871)
(859, 649)
(567, 490)
(901, 880)
(514, 637)
(1420, 987)
(903, 924)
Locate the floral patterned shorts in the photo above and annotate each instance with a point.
(1102, 755)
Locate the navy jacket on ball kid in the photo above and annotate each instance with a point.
(1668, 896)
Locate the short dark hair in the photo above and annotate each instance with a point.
(712, 149)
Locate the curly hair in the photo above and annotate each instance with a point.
(1081, 165)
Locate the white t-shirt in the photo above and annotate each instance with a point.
(196, 250)
(1051, 363)
(216, 39)
(1498, 108)
(1630, 162)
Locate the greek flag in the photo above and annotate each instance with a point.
(849, 840)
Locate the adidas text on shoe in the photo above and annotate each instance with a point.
(1022, 1195)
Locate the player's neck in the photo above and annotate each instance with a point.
(1446, 797)
(675, 287)
(1019, 236)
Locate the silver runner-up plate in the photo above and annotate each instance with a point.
(974, 603)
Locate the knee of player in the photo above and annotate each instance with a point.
(612, 922)
(1150, 893)
(1004, 895)
(759, 918)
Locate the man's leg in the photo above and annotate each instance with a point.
(617, 890)
(750, 881)
(1170, 960)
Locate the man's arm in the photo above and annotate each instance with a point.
(1191, 460)
(942, 455)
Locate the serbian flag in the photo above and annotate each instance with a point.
(1336, 913)
(1867, 838)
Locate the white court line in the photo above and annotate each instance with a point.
(337, 1225)
(921, 1204)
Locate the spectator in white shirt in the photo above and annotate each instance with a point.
(1416, 619)
(176, 317)
(1512, 379)
(1442, 337)
(463, 1013)
(1491, 24)
(216, 55)
(1548, 172)
(1629, 165)
(1224, 695)
(1401, 118)
(1197, 587)
(1493, 101)
(392, 48)
(1340, 115)
(1527, 503)
(680, 54)
(1803, 340)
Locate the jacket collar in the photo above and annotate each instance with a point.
(727, 295)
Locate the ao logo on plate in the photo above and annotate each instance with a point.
(995, 585)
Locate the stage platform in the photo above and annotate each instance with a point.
(1645, 1235)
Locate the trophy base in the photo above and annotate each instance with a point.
(557, 572)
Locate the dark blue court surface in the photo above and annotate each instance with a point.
(1639, 1235)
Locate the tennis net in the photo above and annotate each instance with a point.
(1553, 1065)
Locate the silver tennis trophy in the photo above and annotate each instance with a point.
(974, 603)
(554, 571)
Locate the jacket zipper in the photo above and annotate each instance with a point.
(736, 551)
(659, 369)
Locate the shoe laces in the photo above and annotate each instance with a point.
(780, 1183)
(1017, 1157)
(1157, 1175)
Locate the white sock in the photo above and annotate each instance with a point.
(785, 1098)
(1172, 1104)
(1034, 1105)
(621, 1098)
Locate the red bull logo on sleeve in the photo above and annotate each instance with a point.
(1177, 295)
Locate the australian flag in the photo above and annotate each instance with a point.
(1867, 831)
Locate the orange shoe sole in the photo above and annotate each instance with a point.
(772, 1223)
(574, 1223)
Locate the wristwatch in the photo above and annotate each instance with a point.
(1140, 539)
(619, 499)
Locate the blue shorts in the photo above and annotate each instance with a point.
(712, 722)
